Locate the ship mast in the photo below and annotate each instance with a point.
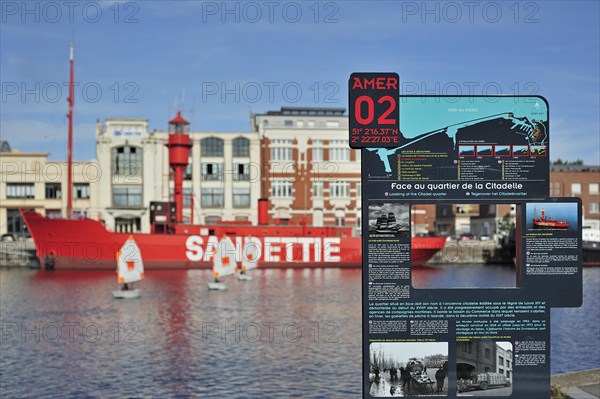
(179, 151)
(71, 101)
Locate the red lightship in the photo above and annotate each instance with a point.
(543, 223)
(87, 244)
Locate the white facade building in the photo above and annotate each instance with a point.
(309, 172)
(298, 158)
(31, 181)
(221, 181)
(504, 362)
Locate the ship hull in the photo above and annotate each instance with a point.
(87, 244)
(550, 224)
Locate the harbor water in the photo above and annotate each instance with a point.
(288, 333)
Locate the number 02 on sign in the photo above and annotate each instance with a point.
(374, 109)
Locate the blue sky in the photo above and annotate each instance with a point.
(150, 58)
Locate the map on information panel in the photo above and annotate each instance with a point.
(483, 147)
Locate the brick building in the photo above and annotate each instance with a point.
(308, 171)
(579, 181)
(423, 219)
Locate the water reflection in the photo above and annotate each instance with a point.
(281, 335)
(575, 332)
(288, 333)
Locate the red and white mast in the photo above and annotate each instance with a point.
(71, 101)
(179, 151)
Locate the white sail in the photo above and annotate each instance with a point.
(130, 267)
(224, 262)
(250, 254)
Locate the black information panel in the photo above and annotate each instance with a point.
(373, 109)
(465, 147)
(464, 253)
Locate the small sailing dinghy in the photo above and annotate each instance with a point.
(249, 258)
(130, 269)
(224, 264)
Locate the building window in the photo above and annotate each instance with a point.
(340, 217)
(241, 197)
(212, 198)
(281, 150)
(357, 154)
(487, 369)
(212, 219)
(338, 189)
(128, 224)
(507, 364)
(212, 171)
(81, 191)
(127, 196)
(53, 191)
(20, 190)
(79, 214)
(594, 188)
(339, 150)
(467, 347)
(594, 207)
(500, 360)
(241, 172)
(332, 124)
(317, 151)
(127, 161)
(186, 195)
(281, 188)
(15, 224)
(53, 213)
(487, 353)
(507, 374)
(211, 147)
(318, 189)
(241, 147)
(187, 174)
(500, 371)
(288, 123)
(575, 188)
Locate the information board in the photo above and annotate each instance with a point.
(465, 147)
(373, 109)
(464, 253)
